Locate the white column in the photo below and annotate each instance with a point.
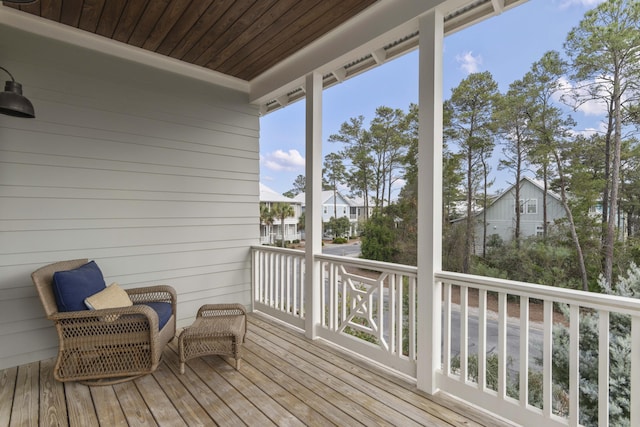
(313, 200)
(431, 27)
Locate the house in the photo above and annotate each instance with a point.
(501, 218)
(273, 231)
(360, 211)
(144, 156)
(340, 206)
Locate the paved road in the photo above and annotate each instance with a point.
(347, 249)
(513, 340)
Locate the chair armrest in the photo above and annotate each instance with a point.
(157, 293)
(106, 316)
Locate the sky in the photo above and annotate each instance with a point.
(506, 45)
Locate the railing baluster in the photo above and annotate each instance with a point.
(279, 281)
(272, 278)
(295, 286)
(524, 351)
(464, 333)
(574, 364)
(634, 403)
(413, 296)
(287, 304)
(303, 270)
(502, 345)
(603, 368)
(391, 304)
(446, 329)
(255, 273)
(323, 294)
(482, 339)
(547, 350)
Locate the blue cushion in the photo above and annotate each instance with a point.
(71, 287)
(163, 309)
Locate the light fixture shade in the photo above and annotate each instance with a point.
(13, 103)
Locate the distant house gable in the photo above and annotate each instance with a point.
(501, 213)
(351, 208)
(342, 204)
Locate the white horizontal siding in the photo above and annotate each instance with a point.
(153, 175)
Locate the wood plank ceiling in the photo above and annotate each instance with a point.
(241, 38)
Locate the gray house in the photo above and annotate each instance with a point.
(501, 213)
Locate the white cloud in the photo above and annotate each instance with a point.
(593, 107)
(584, 3)
(468, 62)
(586, 132)
(280, 160)
(601, 129)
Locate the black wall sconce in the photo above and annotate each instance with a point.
(12, 102)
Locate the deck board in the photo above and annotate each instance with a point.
(7, 393)
(52, 401)
(80, 407)
(284, 380)
(25, 407)
(107, 413)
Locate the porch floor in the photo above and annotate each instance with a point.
(284, 379)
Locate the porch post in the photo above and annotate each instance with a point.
(431, 27)
(313, 200)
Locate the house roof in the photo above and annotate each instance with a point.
(269, 195)
(495, 199)
(327, 195)
(265, 47)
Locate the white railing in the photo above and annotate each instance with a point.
(516, 337)
(369, 307)
(278, 283)
(492, 355)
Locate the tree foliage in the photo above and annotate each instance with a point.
(604, 50)
(378, 238)
(282, 211)
(536, 135)
(339, 227)
(470, 125)
(619, 356)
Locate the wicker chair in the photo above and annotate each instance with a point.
(106, 346)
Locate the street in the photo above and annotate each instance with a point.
(351, 249)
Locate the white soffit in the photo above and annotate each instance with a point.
(358, 44)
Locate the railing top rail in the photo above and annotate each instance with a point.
(369, 264)
(277, 249)
(359, 262)
(569, 296)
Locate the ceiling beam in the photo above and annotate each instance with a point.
(498, 6)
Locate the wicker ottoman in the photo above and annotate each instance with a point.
(218, 329)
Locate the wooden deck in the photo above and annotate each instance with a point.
(284, 379)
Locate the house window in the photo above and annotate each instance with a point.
(529, 206)
(540, 230)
